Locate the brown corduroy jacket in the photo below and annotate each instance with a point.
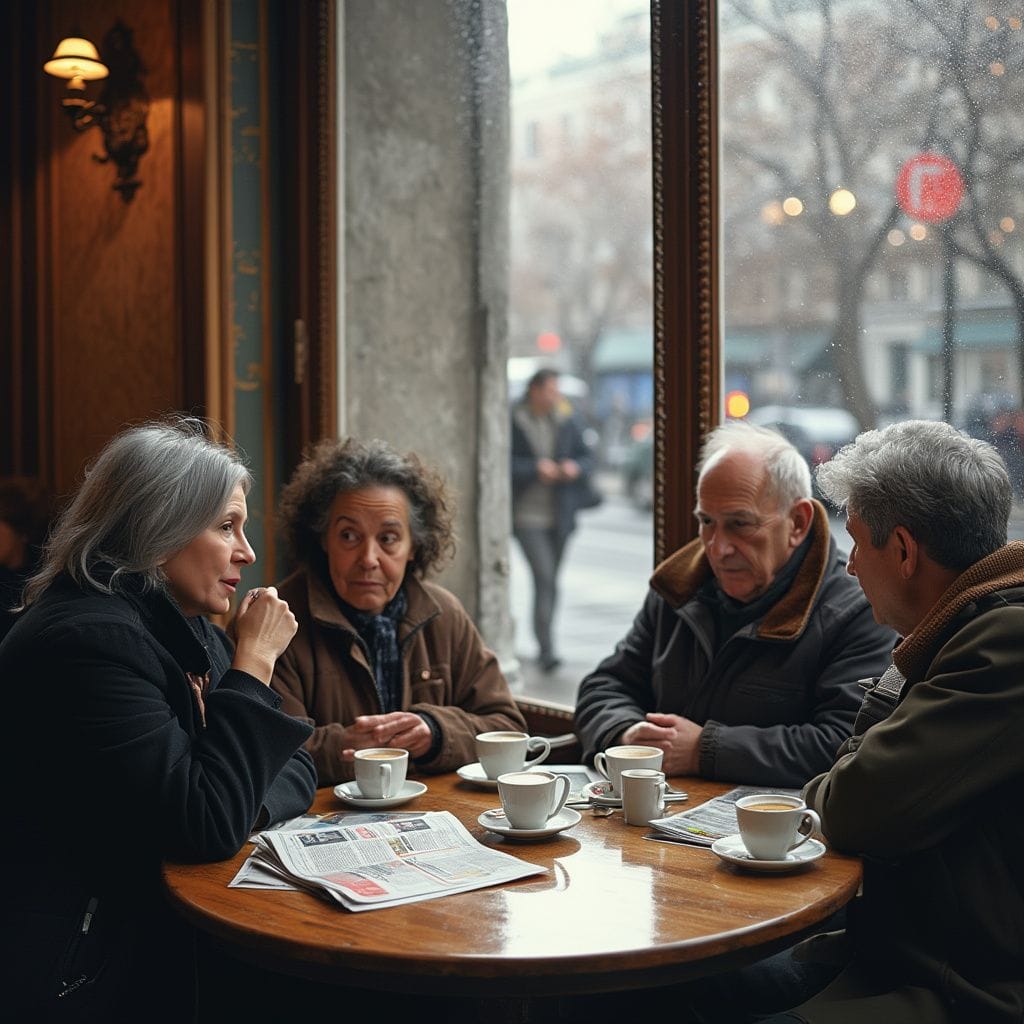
(448, 673)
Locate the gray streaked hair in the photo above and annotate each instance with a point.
(788, 475)
(951, 491)
(151, 491)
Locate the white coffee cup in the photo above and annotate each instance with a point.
(643, 795)
(380, 772)
(503, 752)
(771, 824)
(531, 799)
(612, 762)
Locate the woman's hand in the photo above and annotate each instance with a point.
(402, 729)
(264, 627)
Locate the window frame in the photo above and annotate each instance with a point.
(687, 313)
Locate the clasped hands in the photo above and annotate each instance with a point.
(678, 737)
(551, 472)
(402, 729)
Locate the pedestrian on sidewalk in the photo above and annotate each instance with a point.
(551, 481)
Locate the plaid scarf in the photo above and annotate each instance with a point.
(379, 634)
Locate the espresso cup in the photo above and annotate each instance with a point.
(643, 795)
(771, 825)
(612, 762)
(503, 752)
(380, 772)
(530, 799)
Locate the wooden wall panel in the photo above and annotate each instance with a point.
(115, 349)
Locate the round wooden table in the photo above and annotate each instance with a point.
(614, 911)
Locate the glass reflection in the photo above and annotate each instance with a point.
(898, 290)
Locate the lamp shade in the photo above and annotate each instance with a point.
(76, 58)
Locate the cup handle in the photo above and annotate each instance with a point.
(385, 770)
(545, 750)
(563, 782)
(662, 793)
(812, 823)
(599, 763)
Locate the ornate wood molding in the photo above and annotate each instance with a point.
(310, 225)
(687, 365)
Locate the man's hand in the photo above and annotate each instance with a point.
(402, 729)
(548, 471)
(570, 469)
(678, 737)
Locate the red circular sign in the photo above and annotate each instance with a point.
(929, 187)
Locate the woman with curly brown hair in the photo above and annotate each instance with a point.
(382, 658)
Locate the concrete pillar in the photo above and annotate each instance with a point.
(424, 345)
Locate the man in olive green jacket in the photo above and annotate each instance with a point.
(928, 789)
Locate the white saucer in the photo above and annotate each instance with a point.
(349, 792)
(599, 793)
(565, 818)
(475, 773)
(732, 850)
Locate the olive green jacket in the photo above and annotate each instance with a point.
(928, 790)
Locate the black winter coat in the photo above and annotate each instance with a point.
(110, 768)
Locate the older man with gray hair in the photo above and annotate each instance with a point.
(744, 660)
(928, 788)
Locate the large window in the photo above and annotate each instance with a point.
(871, 214)
(580, 301)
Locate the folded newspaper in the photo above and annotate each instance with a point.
(707, 822)
(365, 861)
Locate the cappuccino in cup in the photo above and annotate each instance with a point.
(530, 799)
(380, 772)
(772, 825)
(503, 752)
(612, 762)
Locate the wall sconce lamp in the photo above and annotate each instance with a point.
(120, 112)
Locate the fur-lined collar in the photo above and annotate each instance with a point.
(1000, 570)
(682, 574)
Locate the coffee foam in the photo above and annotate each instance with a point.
(525, 779)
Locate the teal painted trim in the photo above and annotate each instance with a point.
(247, 262)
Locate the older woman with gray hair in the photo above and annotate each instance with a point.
(382, 658)
(134, 730)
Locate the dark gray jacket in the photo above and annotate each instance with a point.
(569, 444)
(778, 697)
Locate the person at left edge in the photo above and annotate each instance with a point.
(132, 731)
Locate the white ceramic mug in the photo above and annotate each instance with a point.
(771, 824)
(612, 762)
(531, 799)
(643, 795)
(503, 752)
(380, 772)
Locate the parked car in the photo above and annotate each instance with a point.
(817, 432)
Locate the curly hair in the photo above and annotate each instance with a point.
(334, 467)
